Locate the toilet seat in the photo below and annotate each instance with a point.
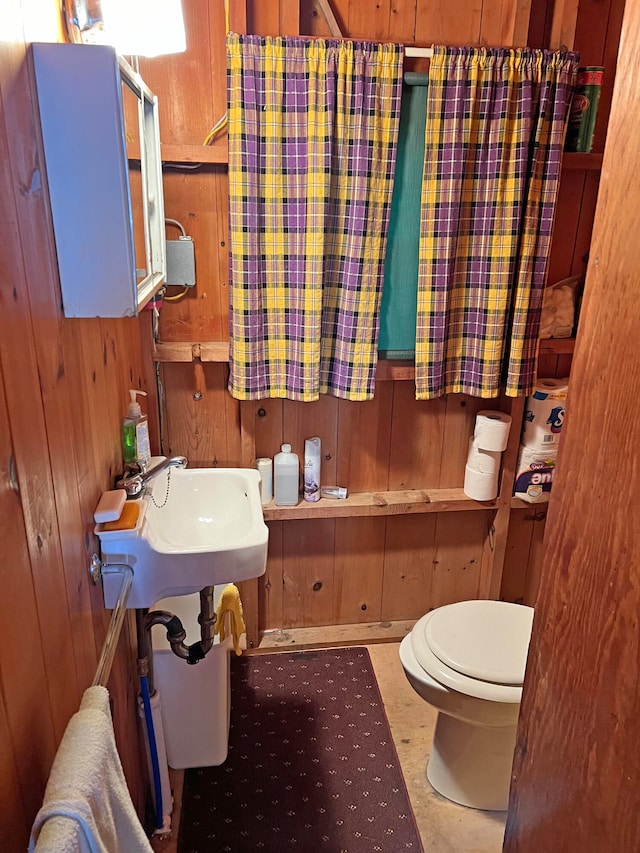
(469, 637)
(459, 648)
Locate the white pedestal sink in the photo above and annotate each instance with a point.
(197, 527)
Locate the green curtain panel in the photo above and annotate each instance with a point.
(398, 310)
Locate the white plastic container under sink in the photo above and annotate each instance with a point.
(195, 700)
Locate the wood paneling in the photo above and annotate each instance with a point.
(442, 22)
(198, 199)
(358, 572)
(308, 573)
(64, 383)
(457, 557)
(576, 767)
(408, 566)
(523, 561)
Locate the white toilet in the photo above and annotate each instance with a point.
(467, 660)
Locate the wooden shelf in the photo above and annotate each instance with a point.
(556, 346)
(180, 351)
(571, 160)
(407, 502)
(219, 154)
(195, 153)
(518, 503)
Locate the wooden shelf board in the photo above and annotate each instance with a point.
(387, 370)
(572, 160)
(556, 346)
(194, 153)
(518, 503)
(404, 502)
(392, 369)
(181, 351)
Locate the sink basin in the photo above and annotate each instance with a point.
(196, 527)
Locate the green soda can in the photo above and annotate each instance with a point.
(584, 109)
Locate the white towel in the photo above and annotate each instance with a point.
(98, 698)
(87, 807)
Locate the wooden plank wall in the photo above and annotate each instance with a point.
(62, 395)
(329, 571)
(201, 420)
(597, 35)
(576, 767)
(63, 387)
(355, 570)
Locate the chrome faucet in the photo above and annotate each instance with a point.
(135, 483)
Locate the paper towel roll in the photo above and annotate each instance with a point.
(544, 414)
(479, 486)
(492, 430)
(483, 461)
(534, 474)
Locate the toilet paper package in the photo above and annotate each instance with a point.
(544, 414)
(534, 474)
(492, 430)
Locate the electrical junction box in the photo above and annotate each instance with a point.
(181, 262)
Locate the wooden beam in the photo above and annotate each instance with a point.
(330, 18)
(563, 24)
(238, 16)
(495, 549)
(216, 154)
(289, 17)
(183, 351)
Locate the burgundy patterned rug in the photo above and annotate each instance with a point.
(311, 765)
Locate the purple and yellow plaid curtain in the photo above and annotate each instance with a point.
(313, 128)
(494, 138)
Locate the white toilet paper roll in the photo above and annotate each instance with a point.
(265, 468)
(492, 430)
(479, 486)
(484, 461)
(544, 414)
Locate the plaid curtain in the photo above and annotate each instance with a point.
(313, 128)
(494, 137)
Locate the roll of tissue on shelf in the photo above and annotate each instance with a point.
(265, 469)
(312, 463)
(286, 473)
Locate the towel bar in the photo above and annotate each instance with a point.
(98, 568)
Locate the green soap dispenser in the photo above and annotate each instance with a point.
(135, 433)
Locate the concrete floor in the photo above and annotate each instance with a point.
(444, 826)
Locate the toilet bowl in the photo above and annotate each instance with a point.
(467, 660)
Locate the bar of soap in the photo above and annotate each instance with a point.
(128, 518)
(110, 506)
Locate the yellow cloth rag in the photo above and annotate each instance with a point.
(230, 603)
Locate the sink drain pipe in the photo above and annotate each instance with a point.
(176, 633)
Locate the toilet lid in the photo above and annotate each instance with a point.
(488, 640)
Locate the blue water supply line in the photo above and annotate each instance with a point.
(153, 749)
